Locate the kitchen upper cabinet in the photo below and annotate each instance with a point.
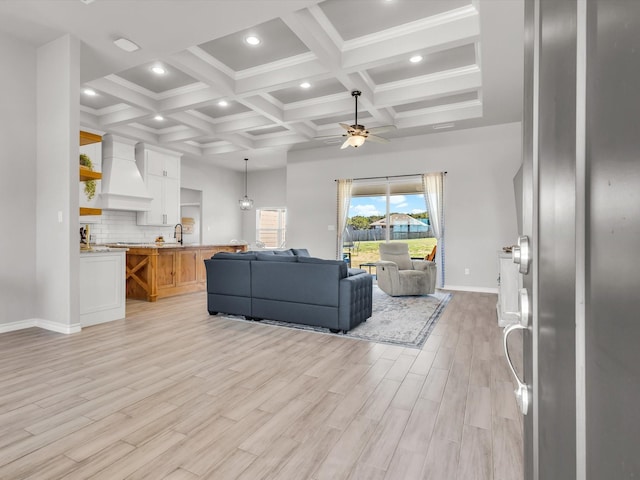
(161, 173)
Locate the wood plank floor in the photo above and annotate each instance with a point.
(172, 393)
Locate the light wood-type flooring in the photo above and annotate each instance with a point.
(172, 393)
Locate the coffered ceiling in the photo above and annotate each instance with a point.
(470, 73)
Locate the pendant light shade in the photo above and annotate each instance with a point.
(245, 202)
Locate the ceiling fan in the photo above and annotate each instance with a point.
(357, 134)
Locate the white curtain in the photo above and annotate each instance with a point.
(344, 200)
(433, 186)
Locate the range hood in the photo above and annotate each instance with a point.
(122, 185)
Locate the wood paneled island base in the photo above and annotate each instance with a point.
(154, 271)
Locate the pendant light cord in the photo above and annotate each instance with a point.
(246, 160)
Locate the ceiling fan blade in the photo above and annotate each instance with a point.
(382, 129)
(345, 126)
(376, 139)
(345, 144)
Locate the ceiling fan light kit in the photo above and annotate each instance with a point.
(357, 134)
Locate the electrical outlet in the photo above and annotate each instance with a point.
(467, 271)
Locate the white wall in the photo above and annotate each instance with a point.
(17, 182)
(267, 188)
(57, 255)
(221, 189)
(480, 213)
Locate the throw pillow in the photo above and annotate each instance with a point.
(301, 252)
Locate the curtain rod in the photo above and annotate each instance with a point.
(386, 176)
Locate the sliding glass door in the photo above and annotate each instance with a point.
(388, 210)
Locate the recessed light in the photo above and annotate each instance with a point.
(305, 85)
(126, 45)
(223, 103)
(158, 70)
(416, 59)
(158, 117)
(252, 40)
(90, 92)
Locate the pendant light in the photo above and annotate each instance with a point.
(245, 202)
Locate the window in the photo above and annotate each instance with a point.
(271, 226)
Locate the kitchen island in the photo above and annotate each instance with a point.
(156, 271)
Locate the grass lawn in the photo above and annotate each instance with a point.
(366, 252)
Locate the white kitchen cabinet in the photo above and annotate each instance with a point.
(161, 173)
(509, 284)
(102, 286)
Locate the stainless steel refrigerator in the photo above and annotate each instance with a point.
(581, 238)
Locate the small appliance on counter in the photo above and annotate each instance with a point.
(85, 238)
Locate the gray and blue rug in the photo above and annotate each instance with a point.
(404, 321)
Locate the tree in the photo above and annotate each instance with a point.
(358, 222)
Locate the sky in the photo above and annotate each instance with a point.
(367, 206)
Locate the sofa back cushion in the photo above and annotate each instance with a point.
(270, 257)
(301, 252)
(316, 281)
(342, 266)
(235, 256)
(228, 276)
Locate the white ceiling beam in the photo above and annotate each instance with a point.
(192, 62)
(278, 141)
(243, 124)
(279, 78)
(136, 99)
(179, 135)
(236, 139)
(134, 133)
(308, 29)
(193, 121)
(303, 129)
(433, 116)
(188, 100)
(122, 117)
(220, 149)
(429, 86)
(187, 148)
(305, 111)
(375, 49)
(265, 107)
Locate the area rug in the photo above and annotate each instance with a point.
(405, 321)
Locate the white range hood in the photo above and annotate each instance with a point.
(122, 185)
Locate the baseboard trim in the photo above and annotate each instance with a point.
(21, 325)
(471, 289)
(40, 323)
(58, 327)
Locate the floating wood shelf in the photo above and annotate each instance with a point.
(86, 138)
(86, 174)
(90, 211)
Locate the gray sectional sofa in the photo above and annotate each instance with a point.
(289, 286)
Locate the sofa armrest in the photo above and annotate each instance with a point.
(388, 276)
(424, 265)
(356, 301)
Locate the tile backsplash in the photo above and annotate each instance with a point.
(120, 226)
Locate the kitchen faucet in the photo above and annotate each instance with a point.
(175, 232)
